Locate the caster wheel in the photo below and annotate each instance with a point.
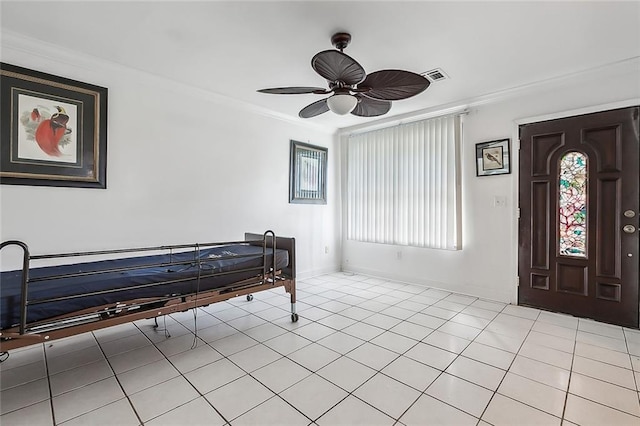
(294, 317)
(249, 297)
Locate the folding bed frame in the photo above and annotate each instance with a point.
(51, 302)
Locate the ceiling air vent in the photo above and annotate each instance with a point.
(435, 75)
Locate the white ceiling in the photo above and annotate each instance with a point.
(234, 48)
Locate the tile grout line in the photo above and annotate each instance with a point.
(181, 374)
(631, 363)
(507, 372)
(566, 396)
(97, 343)
(312, 372)
(397, 420)
(227, 357)
(115, 376)
(249, 373)
(46, 367)
(603, 405)
(384, 330)
(369, 341)
(349, 393)
(313, 420)
(420, 341)
(605, 380)
(331, 313)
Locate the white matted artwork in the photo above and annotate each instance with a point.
(53, 130)
(37, 117)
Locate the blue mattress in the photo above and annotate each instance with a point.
(212, 260)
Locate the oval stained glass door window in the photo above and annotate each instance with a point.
(573, 205)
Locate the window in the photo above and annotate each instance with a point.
(403, 185)
(573, 204)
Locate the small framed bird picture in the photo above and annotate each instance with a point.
(53, 130)
(493, 158)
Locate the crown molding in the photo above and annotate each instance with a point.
(579, 111)
(12, 41)
(608, 71)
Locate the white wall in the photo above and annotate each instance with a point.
(182, 168)
(487, 264)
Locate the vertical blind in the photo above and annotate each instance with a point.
(403, 184)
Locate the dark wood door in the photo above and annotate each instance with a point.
(578, 227)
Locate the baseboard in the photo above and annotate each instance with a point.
(487, 294)
(316, 272)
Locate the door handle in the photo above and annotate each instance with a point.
(629, 229)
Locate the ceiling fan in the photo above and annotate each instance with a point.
(353, 91)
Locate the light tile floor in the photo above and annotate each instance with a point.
(365, 352)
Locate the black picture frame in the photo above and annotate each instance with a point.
(493, 158)
(53, 130)
(307, 173)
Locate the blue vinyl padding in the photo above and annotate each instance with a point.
(210, 262)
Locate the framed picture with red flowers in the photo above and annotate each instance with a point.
(53, 130)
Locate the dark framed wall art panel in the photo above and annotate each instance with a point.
(53, 130)
(307, 174)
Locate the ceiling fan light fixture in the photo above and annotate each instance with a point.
(342, 104)
(354, 91)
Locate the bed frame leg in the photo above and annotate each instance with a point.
(156, 326)
(290, 287)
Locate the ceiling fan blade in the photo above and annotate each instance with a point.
(393, 85)
(316, 108)
(368, 107)
(294, 90)
(336, 66)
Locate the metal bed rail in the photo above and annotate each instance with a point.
(197, 262)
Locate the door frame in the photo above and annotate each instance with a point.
(515, 167)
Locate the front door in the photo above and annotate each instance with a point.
(579, 208)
